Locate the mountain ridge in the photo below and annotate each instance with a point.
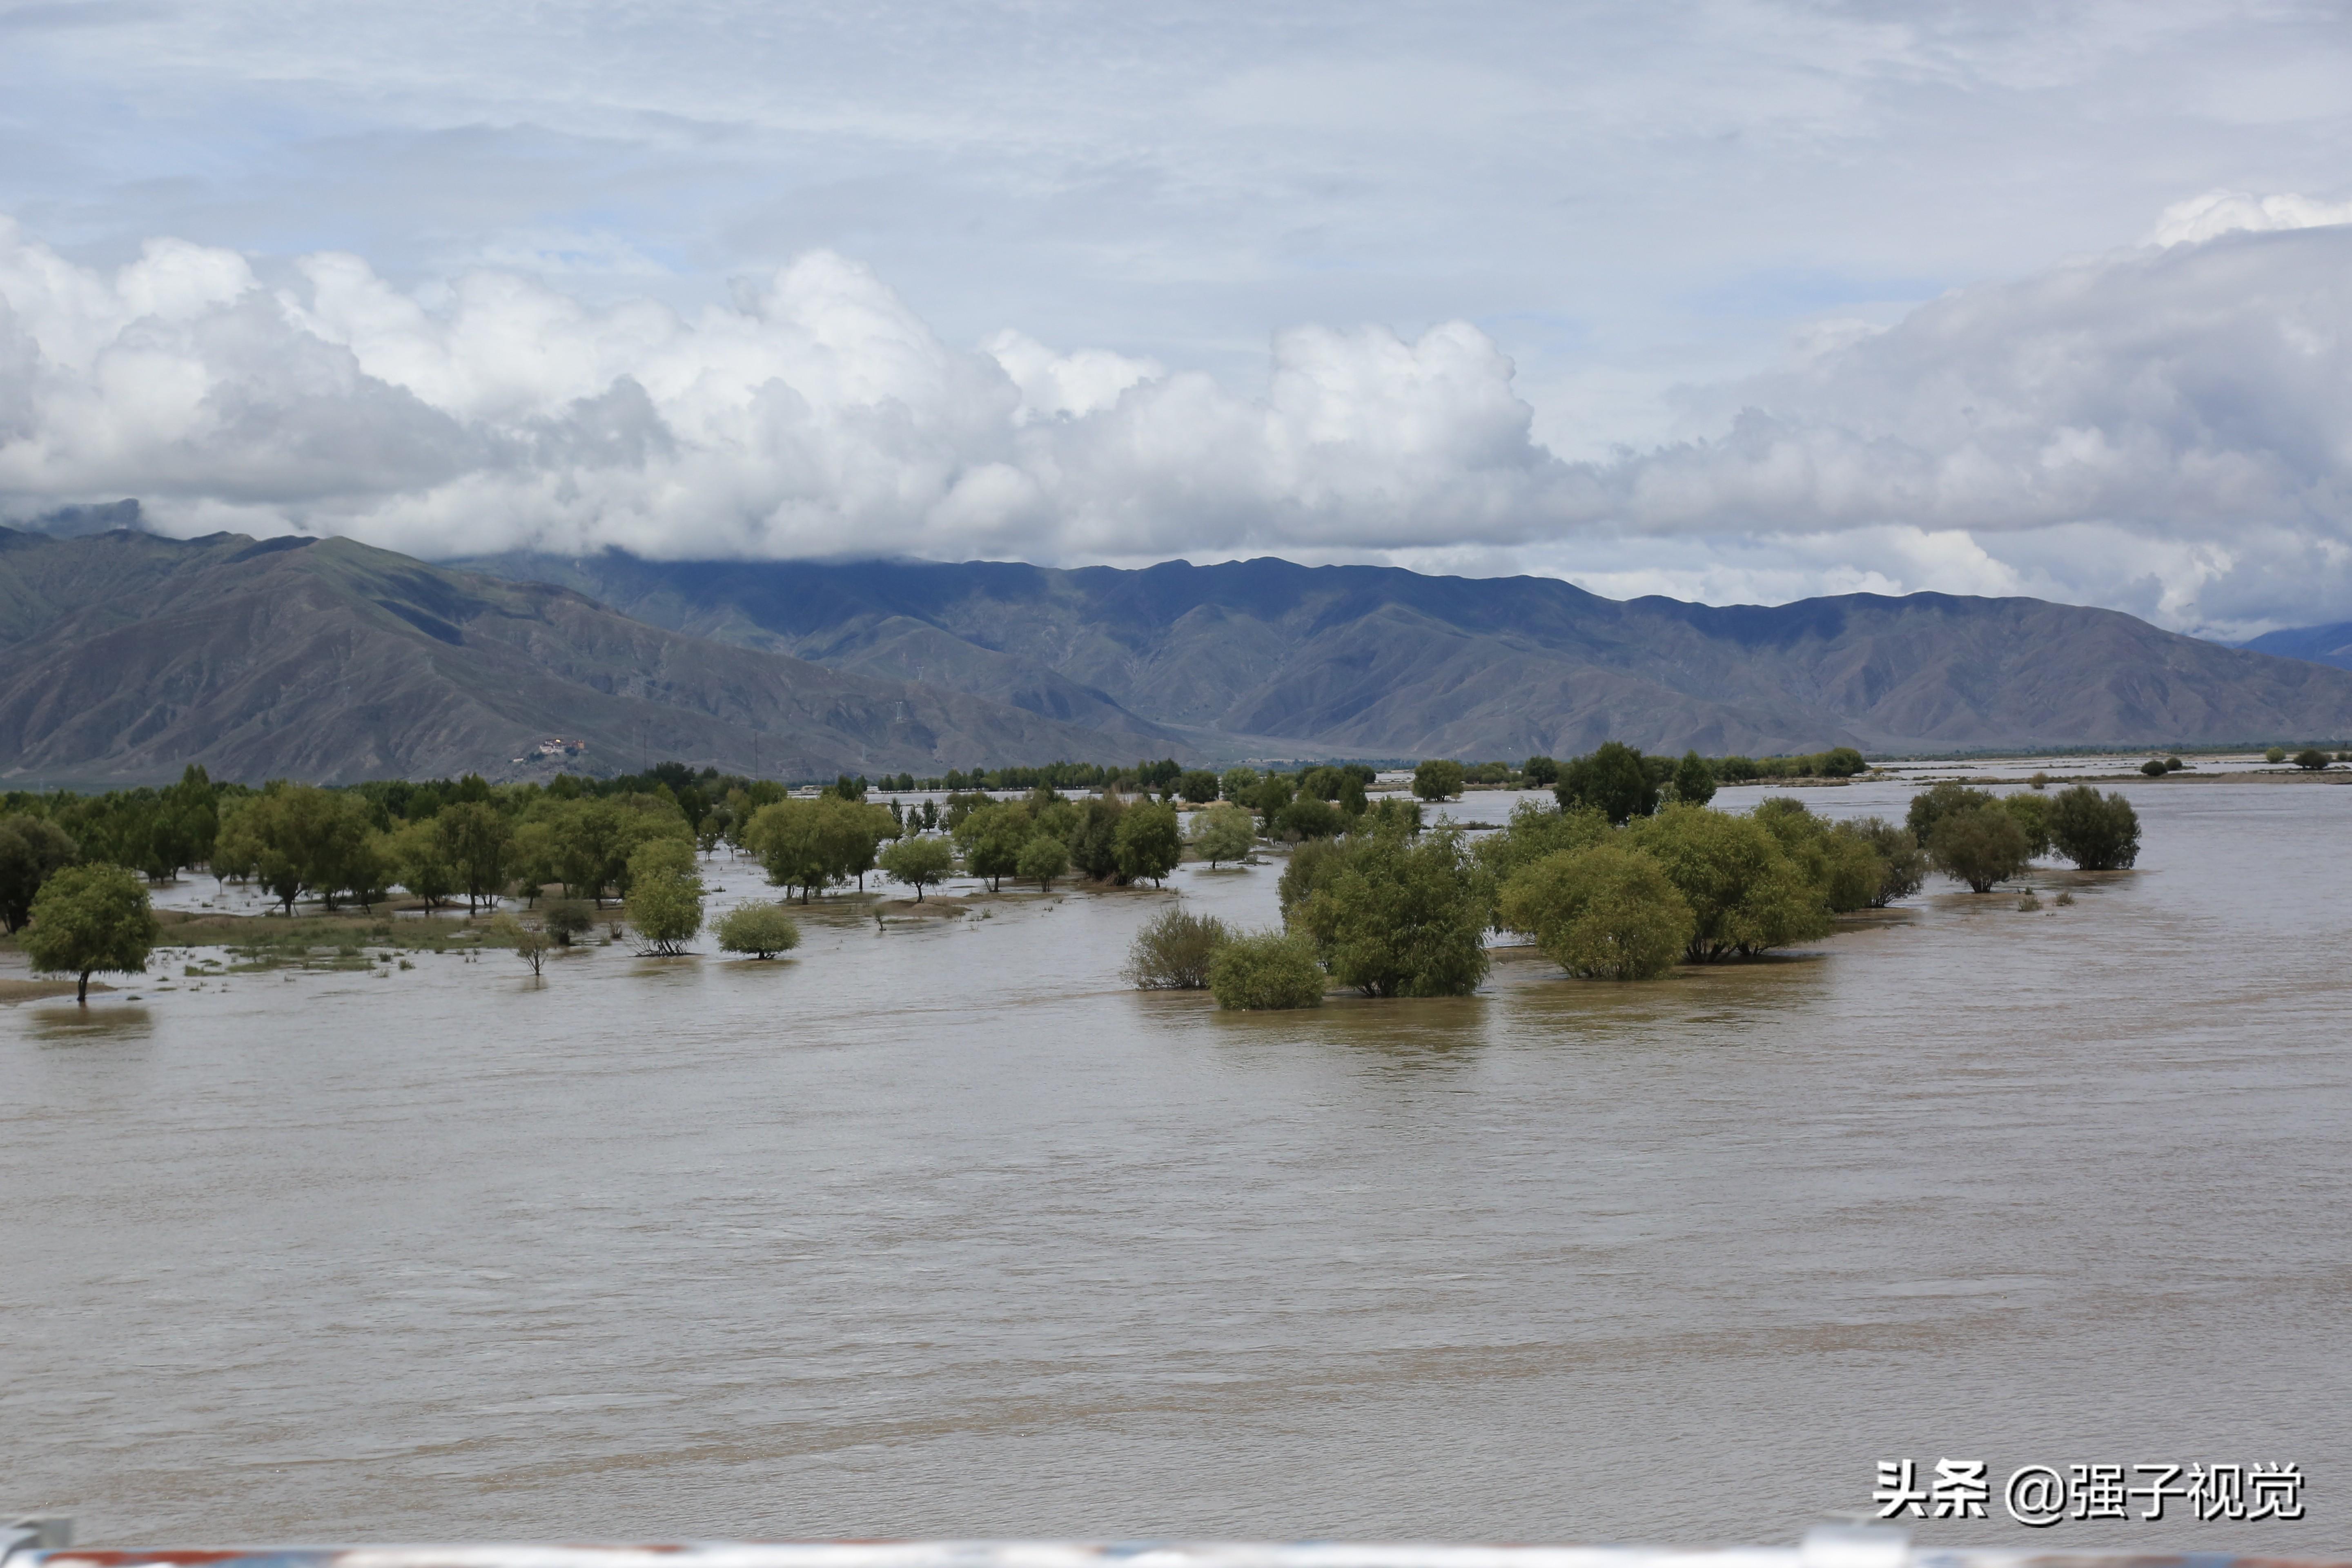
(1370, 661)
(131, 655)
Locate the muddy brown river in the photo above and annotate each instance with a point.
(935, 1229)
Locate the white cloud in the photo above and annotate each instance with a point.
(2169, 430)
(2217, 213)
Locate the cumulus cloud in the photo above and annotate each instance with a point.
(2168, 430)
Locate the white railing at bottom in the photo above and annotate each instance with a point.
(46, 1543)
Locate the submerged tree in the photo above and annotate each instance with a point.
(1604, 912)
(762, 931)
(920, 862)
(2096, 834)
(1746, 895)
(665, 898)
(1174, 950)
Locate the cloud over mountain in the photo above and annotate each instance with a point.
(2168, 430)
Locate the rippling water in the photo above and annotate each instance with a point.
(934, 1230)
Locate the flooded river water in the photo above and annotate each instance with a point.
(935, 1229)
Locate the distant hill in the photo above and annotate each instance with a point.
(1372, 662)
(2330, 645)
(127, 656)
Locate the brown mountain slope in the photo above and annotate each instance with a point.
(1373, 661)
(128, 656)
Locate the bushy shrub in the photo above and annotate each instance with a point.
(1932, 806)
(564, 918)
(1174, 950)
(1902, 864)
(1839, 862)
(1612, 780)
(1223, 832)
(2311, 759)
(1605, 912)
(2153, 767)
(1744, 894)
(1043, 859)
(665, 897)
(1981, 847)
(2096, 834)
(1536, 832)
(1395, 915)
(1265, 972)
(762, 931)
(1438, 779)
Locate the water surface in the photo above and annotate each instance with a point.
(935, 1229)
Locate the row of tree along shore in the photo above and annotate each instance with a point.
(1628, 872)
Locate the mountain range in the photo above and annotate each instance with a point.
(1282, 659)
(130, 655)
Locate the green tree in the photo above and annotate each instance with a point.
(1540, 772)
(790, 840)
(1437, 779)
(32, 850)
(1931, 806)
(1223, 832)
(2031, 813)
(1307, 818)
(1239, 785)
(1199, 786)
(1605, 912)
(1265, 970)
(992, 838)
(477, 844)
(665, 897)
(299, 837)
(88, 919)
(420, 863)
(2311, 759)
(1841, 867)
(1043, 859)
(1094, 838)
(1536, 832)
(1147, 845)
(1693, 780)
(2097, 835)
(1174, 950)
(1902, 864)
(566, 918)
(2275, 754)
(1746, 896)
(1981, 847)
(1398, 916)
(920, 862)
(1610, 780)
(1272, 795)
(531, 944)
(762, 931)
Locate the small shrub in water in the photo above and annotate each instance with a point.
(762, 931)
(2027, 903)
(1266, 972)
(2153, 767)
(2065, 900)
(1174, 950)
(566, 918)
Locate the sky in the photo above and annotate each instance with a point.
(1739, 301)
